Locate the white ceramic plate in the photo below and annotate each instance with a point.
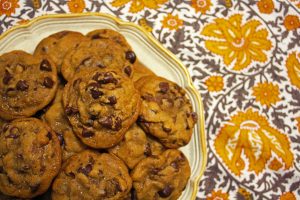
(149, 51)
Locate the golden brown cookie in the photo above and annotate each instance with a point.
(140, 70)
(112, 35)
(166, 113)
(28, 84)
(56, 119)
(162, 177)
(91, 175)
(101, 105)
(136, 146)
(57, 45)
(30, 157)
(96, 53)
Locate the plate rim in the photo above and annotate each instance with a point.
(155, 42)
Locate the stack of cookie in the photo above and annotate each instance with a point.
(84, 119)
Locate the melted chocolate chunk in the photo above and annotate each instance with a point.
(175, 165)
(167, 191)
(71, 111)
(49, 136)
(34, 188)
(87, 133)
(71, 174)
(148, 151)
(128, 70)
(96, 36)
(45, 66)
(48, 82)
(85, 170)
(22, 85)
(112, 100)
(155, 171)
(7, 77)
(130, 55)
(113, 123)
(108, 78)
(168, 130)
(194, 116)
(164, 87)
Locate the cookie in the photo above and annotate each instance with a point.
(96, 53)
(112, 35)
(91, 175)
(166, 113)
(140, 70)
(28, 84)
(56, 119)
(136, 146)
(161, 177)
(101, 104)
(57, 45)
(30, 157)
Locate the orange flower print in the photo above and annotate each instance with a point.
(291, 22)
(250, 133)
(138, 5)
(275, 165)
(172, 22)
(236, 42)
(214, 83)
(76, 6)
(201, 5)
(293, 68)
(287, 196)
(217, 195)
(23, 21)
(143, 23)
(298, 123)
(8, 7)
(265, 6)
(266, 93)
(244, 193)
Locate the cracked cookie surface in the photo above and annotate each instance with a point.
(101, 105)
(90, 175)
(28, 84)
(30, 157)
(136, 146)
(166, 113)
(161, 177)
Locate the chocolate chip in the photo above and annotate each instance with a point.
(49, 136)
(128, 70)
(19, 156)
(22, 85)
(167, 191)
(106, 122)
(96, 76)
(175, 165)
(194, 116)
(45, 66)
(155, 171)
(1, 170)
(100, 65)
(71, 110)
(71, 174)
(48, 82)
(96, 93)
(168, 130)
(34, 188)
(113, 123)
(87, 133)
(164, 87)
(95, 37)
(85, 170)
(108, 78)
(148, 151)
(7, 77)
(130, 55)
(112, 100)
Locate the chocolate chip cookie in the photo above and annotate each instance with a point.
(112, 35)
(101, 104)
(140, 71)
(96, 53)
(166, 113)
(30, 157)
(56, 119)
(91, 175)
(57, 45)
(136, 146)
(28, 84)
(161, 177)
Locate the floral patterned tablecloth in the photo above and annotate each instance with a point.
(244, 58)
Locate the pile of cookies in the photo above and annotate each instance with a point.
(82, 118)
